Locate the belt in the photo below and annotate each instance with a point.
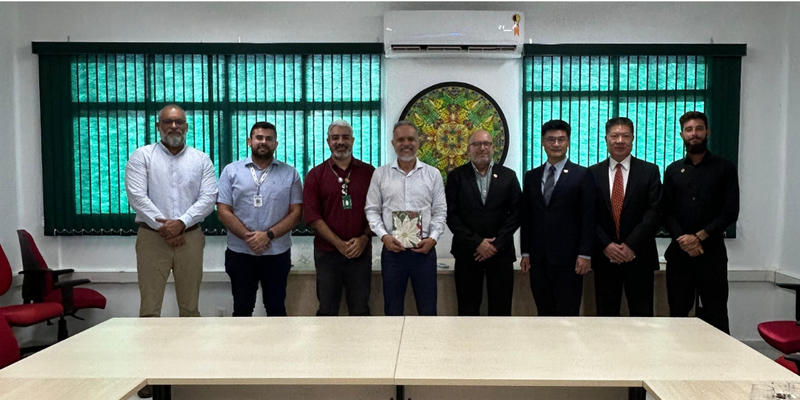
(189, 229)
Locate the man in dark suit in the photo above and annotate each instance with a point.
(558, 228)
(483, 214)
(625, 255)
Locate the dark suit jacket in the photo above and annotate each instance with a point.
(471, 221)
(639, 220)
(564, 229)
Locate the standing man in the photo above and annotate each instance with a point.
(172, 188)
(334, 198)
(701, 199)
(260, 202)
(483, 214)
(558, 229)
(410, 185)
(625, 255)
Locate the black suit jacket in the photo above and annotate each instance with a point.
(639, 221)
(471, 221)
(565, 228)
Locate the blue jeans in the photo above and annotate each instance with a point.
(247, 271)
(397, 268)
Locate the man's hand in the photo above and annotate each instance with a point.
(485, 250)
(176, 241)
(696, 251)
(525, 264)
(629, 254)
(424, 246)
(355, 246)
(392, 244)
(702, 235)
(582, 266)
(258, 241)
(688, 242)
(170, 227)
(615, 253)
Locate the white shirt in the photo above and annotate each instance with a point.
(422, 189)
(612, 172)
(162, 185)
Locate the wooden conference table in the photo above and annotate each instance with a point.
(389, 357)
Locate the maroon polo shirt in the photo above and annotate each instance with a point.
(322, 199)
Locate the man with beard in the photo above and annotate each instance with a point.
(334, 197)
(483, 214)
(260, 202)
(625, 256)
(557, 228)
(700, 200)
(172, 188)
(407, 185)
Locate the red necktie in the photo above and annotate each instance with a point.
(617, 197)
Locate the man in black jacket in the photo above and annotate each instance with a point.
(625, 255)
(483, 214)
(558, 229)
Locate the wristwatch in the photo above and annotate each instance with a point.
(270, 234)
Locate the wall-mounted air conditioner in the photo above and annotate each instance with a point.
(481, 34)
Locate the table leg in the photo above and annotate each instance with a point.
(162, 392)
(400, 392)
(637, 393)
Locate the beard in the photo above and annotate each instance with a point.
(698, 148)
(262, 155)
(481, 159)
(173, 140)
(341, 154)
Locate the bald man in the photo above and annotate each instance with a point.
(483, 214)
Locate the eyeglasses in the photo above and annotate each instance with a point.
(169, 122)
(478, 145)
(554, 140)
(625, 137)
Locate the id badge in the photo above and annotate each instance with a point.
(347, 202)
(257, 201)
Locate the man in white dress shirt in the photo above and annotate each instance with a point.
(172, 188)
(407, 184)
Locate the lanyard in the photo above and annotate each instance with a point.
(263, 177)
(343, 181)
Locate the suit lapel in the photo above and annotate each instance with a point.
(602, 180)
(470, 172)
(562, 180)
(494, 181)
(537, 185)
(633, 178)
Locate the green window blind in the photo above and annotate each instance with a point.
(99, 102)
(653, 85)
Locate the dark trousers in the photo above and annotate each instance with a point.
(469, 276)
(557, 289)
(334, 272)
(397, 268)
(247, 271)
(637, 281)
(704, 277)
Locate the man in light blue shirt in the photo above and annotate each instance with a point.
(260, 201)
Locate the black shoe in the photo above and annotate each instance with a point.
(145, 392)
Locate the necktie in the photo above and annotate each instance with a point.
(549, 184)
(617, 197)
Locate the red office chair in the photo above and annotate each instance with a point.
(23, 314)
(784, 336)
(9, 349)
(41, 285)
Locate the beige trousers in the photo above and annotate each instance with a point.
(154, 261)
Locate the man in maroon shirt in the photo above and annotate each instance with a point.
(333, 199)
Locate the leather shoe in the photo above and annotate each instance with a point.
(145, 392)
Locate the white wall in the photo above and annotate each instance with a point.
(769, 29)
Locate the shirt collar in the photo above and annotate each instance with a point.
(396, 165)
(164, 147)
(626, 163)
(354, 163)
(708, 157)
(488, 170)
(559, 165)
(249, 161)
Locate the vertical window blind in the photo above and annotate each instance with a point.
(653, 85)
(100, 102)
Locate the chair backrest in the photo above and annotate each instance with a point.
(9, 348)
(5, 273)
(32, 260)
